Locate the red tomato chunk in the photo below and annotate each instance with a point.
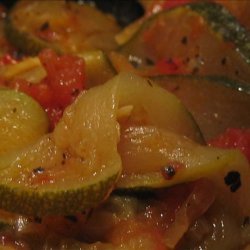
(64, 81)
(234, 138)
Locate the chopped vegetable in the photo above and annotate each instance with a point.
(125, 164)
(206, 38)
(64, 26)
(216, 103)
(22, 121)
(62, 166)
(64, 80)
(234, 138)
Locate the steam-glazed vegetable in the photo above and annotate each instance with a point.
(206, 39)
(66, 172)
(125, 164)
(65, 166)
(63, 172)
(155, 158)
(216, 103)
(65, 26)
(22, 120)
(97, 61)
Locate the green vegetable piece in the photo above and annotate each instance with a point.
(22, 120)
(156, 158)
(66, 27)
(77, 165)
(216, 103)
(203, 36)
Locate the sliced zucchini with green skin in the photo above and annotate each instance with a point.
(69, 170)
(204, 36)
(22, 120)
(67, 27)
(26, 43)
(156, 158)
(216, 103)
(50, 178)
(97, 61)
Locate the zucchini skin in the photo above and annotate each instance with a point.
(228, 55)
(226, 24)
(15, 199)
(66, 27)
(215, 102)
(25, 42)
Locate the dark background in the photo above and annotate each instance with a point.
(125, 11)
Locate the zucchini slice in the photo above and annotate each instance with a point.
(67, 27)
(204, 36)
(216, 103)
(22, 120)
(97, 61)
(156, 158)
(76, 166)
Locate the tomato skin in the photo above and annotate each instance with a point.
(65, 76)
(54, 113)
(234, 138)
(64, 81)
(170, 66)
(40, 92)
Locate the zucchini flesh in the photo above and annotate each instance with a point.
(204, 36)
(22, 120)
(67, 27)
(148, 153)
(216, 103)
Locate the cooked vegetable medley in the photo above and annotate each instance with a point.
(125, 126)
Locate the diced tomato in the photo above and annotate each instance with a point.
(170, 66)
(64, 81)
(234, 138)
(7, 59)
(65, 76)
(54, 113)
